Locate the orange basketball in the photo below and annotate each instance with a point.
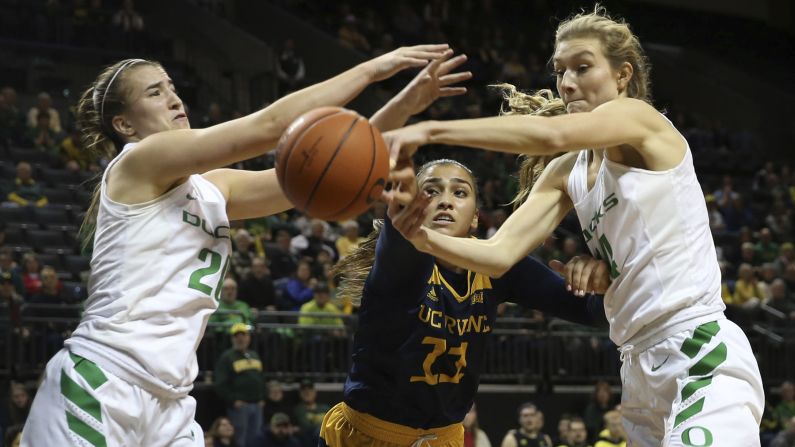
(332, 163)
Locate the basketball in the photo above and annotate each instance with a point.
(332, 163)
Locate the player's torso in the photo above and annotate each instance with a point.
(421, 360)
(156, 277)
(652, 229)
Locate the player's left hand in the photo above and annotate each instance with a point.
(432, 83)
(584, 274)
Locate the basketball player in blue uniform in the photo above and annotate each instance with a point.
(424, 324)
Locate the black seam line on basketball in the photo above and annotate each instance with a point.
(330, 162)
(301, 138)
(369, 173)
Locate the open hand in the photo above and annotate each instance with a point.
(387, 65)
(434, 82)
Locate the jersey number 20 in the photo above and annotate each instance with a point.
(215, 265)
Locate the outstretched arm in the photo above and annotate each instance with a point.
(162, 159)
(623, 121)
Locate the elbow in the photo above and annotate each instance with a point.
(497, 272)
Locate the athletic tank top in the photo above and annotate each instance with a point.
(156, 274)
(652, 228)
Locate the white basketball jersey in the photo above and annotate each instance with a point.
(652, 228)
(156, 276)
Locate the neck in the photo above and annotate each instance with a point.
(451, 267)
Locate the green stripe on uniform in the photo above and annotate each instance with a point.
(703, 334)
(89, 371)
(692, 387)
(710, 361)
(689, 412)
(80, 397)
(94, 437)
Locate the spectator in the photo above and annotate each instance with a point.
(716, 222)
(766, 249)
(498, 217)
(548, 250)
(222, 433)
(309, 413)
(785, 410)
(577, 435)
(278, 434)
(10, 300)
(26, 191)
(473, 435)
(747, 293)
(256, 287)
(786, 256)
(786, 438)
(239, 381)
(214, 115)
(230, 309)
(613, 435)
(7, 267)
(321, 303)
(42, 137)
(72, 155)
(571, 248)
(275, 401)
(299, 288)
(350, 240)
(282, 262)
(127, 19)
(781, 301)
(310, 246)
(748, 254)
(563, 429)
(290, 68)
(349, 35)
(19, 404)
(768, 275)
(513, 71)
(601, 403)
(31, 274)
(529, 431)
(13, 436)
(44, 106)
(243, 254)
(12, 120)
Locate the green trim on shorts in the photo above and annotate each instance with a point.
(89, 371)
(702, 335)
(710, 361)
(689, 412)
(703, 367)
(94, 437)
(80, 397)
(692, 387)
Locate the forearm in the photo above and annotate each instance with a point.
(513, 134)
(492, 257)
(391, 116)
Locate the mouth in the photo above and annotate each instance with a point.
(443, 219)
(181, 116)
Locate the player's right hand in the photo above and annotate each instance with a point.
(583, 274)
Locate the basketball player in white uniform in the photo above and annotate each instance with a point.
(689, 375)
(160, 223)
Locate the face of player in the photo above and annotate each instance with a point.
(152, 104)
(585, 78)
(453, 206)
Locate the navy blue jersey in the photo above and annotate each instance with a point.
(421, 343)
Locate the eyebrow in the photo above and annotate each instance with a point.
(576, 55)
(157, 84)
(452, 180)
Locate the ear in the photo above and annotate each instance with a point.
(624, 74)
(122, 126)
(474, 225)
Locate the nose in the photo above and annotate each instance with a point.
(445, 203)
(174, 102)
(566, 84)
